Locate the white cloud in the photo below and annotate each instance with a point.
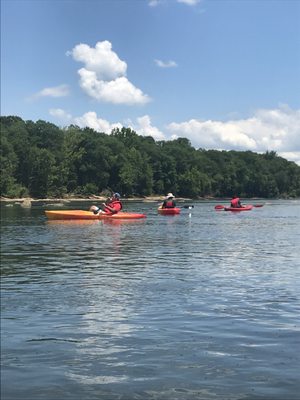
(103, 76)
(101, 59)
(145, 128)
(189, 2)
(88, 119)
(118, 91)
(165, 64)
(57, 91)
(91, 120)
(277, 130)
(60, 114)
(154, 3)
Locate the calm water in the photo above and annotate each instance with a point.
(204, 305)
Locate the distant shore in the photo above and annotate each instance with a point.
(85, 199)
(94, 198)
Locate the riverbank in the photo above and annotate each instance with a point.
(28, 201)
(65, 200)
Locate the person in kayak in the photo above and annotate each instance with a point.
(169, 201)
(235, 202)
(112, 205)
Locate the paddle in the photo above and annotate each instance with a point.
(219, 207)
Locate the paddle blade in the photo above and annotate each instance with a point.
(258, 205)
(188, 206)
(219, 207)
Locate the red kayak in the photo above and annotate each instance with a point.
(168, 211)
(244, 208)
(81, 214)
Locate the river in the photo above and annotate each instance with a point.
(199, 306)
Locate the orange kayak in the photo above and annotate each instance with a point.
(168, 211)
(81, 214)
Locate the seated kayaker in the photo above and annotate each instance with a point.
(169, 201)
(112, 206)
(235, 202)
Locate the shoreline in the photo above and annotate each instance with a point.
(66, 200)
(84, 199)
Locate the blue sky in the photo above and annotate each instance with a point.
(223, 73)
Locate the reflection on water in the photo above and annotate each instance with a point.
(202, 305)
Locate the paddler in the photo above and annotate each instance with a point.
(111, 206)
(235, 202)
(169, 201)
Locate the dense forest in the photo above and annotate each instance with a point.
(39, 159)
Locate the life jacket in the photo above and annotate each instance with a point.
(235, 202)
(169, 204)
(116, 205)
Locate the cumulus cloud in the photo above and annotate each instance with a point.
(277, 130)
(165, 64)
(101, 59)
(103, 76)
(118, 91)
(56, 91)
(144, 128)
(91, 120)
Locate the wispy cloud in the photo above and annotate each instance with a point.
(61, 115)
(166, 64)
(155, 3)
(56, 91)
(103, 76)
(189, 2)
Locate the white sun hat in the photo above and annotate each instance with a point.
(170, 195)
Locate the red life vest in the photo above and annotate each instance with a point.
(116, 205)
(169, 204)
(235, 202)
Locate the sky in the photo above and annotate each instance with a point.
(223, 73)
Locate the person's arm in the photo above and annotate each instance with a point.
(109, 209)
(116, 208)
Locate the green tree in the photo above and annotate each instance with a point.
(41, 172)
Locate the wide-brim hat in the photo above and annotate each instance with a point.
(169, 195)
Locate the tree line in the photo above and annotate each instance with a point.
(39, 159)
